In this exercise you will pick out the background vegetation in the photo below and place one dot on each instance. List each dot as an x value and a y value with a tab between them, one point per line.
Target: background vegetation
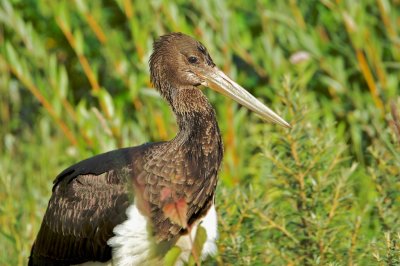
74	82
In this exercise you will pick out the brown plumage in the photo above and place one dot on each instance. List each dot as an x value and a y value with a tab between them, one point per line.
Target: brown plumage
165	180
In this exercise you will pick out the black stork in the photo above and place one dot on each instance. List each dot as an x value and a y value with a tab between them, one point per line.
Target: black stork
129	206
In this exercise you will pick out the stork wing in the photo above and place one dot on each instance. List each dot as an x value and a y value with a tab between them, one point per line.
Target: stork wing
89	199
172	174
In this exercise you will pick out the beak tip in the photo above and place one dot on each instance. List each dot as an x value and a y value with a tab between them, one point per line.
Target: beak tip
281	122
285	125
289	126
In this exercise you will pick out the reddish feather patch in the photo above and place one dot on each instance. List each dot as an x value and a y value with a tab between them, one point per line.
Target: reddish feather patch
176	212
165	194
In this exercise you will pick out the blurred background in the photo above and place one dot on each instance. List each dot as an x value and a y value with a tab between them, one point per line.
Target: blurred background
74	82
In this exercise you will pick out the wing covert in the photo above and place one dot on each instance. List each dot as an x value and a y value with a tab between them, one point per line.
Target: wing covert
89	199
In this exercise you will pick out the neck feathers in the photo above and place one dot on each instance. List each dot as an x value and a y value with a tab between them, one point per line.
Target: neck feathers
198	128
195	115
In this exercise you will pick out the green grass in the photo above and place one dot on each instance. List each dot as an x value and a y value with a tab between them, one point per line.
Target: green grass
74	82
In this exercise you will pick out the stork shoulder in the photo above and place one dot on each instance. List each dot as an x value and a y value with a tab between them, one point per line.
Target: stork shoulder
112	161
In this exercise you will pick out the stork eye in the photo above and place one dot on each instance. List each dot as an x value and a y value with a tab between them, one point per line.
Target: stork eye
193	59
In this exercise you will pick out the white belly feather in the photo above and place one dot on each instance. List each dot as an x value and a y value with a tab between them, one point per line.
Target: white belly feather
209	222
132	244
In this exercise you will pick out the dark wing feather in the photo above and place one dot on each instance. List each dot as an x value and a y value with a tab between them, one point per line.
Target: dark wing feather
99	164
89	199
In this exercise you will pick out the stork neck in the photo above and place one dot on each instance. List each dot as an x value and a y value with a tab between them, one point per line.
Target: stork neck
199	135
195	116
196	126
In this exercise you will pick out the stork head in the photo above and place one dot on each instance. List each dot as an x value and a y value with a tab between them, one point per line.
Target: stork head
180	62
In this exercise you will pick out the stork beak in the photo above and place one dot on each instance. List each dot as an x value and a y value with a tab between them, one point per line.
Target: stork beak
218	81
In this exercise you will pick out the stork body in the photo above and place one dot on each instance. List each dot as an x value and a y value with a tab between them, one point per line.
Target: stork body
130	206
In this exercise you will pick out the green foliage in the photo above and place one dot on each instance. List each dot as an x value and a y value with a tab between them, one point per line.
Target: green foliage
172	256
198	243
74	82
